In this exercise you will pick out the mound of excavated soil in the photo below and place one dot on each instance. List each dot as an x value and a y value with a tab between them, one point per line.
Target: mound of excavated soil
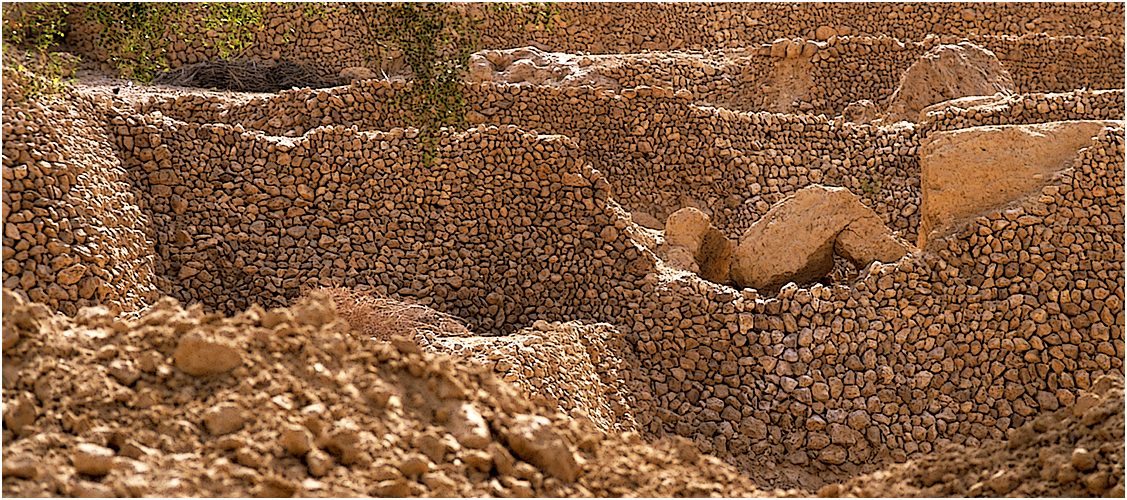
286	402
1076	451
947	72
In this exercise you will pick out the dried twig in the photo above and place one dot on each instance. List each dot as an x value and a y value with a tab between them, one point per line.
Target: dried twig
247	75
383	317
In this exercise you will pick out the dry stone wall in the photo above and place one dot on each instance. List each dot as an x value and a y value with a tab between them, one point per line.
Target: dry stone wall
525	217
647	140
504	226
1022	109
855	53
960	345
298	32
73	233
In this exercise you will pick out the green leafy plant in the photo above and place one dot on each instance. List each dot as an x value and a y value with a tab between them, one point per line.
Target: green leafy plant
543	15
870	186
30	32
137	35
238	22
436	42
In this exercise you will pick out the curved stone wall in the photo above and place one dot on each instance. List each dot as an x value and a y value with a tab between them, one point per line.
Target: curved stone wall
525	216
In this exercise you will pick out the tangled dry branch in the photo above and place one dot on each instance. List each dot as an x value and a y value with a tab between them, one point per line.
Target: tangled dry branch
382	317
247	75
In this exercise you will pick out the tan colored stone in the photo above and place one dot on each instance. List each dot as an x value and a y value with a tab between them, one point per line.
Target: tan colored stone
947	72
796	239
92	459
224	419
201	355
534	439
968	172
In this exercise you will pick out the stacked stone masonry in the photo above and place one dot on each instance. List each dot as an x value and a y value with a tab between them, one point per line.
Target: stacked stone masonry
525	216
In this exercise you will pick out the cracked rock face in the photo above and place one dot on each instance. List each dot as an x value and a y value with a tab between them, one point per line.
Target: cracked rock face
796	239
968	172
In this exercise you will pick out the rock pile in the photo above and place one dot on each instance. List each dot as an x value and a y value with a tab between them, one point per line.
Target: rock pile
1076	451
581	370
98	406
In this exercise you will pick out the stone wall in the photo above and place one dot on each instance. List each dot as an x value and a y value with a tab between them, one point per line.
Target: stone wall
858	55
1023	109
504	227
73	233
646	140
1008	319
525	217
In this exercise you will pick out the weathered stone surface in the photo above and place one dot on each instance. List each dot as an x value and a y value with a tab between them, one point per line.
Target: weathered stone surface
200	355
467	425
964	173
796	239
703	245
224	419
93	460
532	438
947	72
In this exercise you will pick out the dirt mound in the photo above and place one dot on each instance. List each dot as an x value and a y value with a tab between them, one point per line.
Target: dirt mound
1073	452
286	402
947	72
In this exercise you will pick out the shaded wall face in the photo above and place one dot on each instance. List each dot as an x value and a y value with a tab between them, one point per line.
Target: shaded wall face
504	227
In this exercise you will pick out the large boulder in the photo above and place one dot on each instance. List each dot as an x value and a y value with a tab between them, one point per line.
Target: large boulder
968	172
947	72
693	243
797	238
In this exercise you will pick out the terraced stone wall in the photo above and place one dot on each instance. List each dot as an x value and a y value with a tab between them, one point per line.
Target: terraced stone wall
862	49
659	164
1008	319
626	28
208	200
659	151
1024	109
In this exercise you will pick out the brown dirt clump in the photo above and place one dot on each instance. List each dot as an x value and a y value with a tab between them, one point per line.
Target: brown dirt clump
286	402
1076	451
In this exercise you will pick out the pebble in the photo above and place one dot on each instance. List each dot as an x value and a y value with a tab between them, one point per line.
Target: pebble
224	419
1083	460
199	355
93	460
